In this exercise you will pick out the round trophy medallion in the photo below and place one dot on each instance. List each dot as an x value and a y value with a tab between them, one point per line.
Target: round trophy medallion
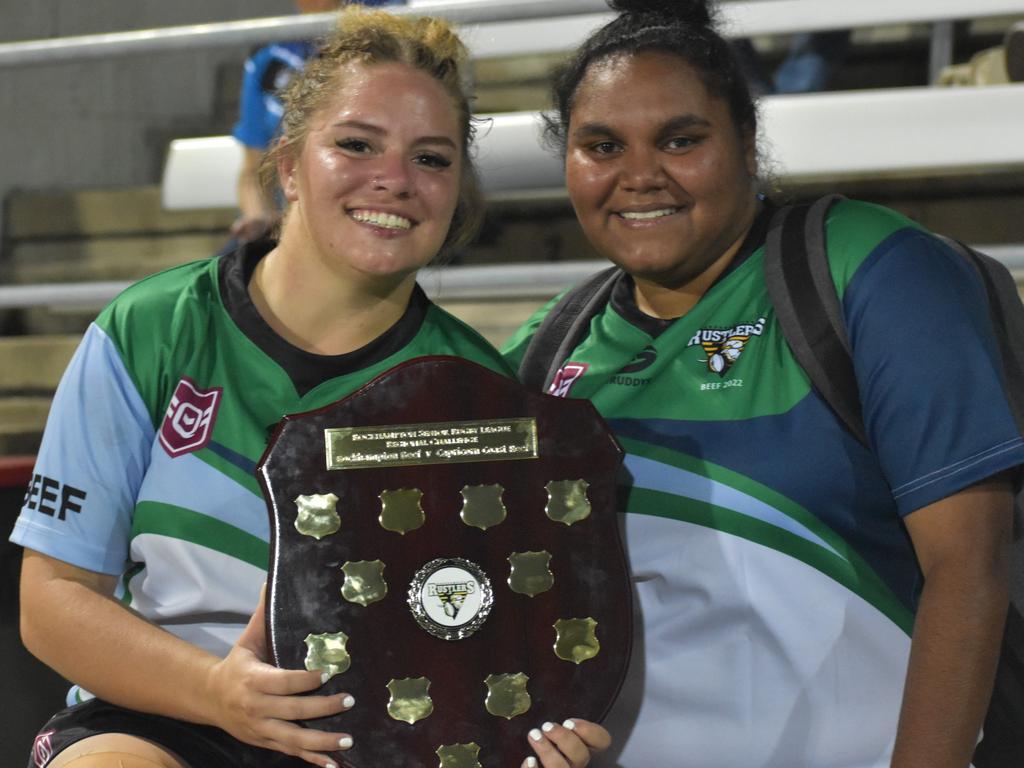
450	597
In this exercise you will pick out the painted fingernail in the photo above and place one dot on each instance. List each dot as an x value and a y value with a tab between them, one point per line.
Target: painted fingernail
330	765
536	735
547	727
345	742
569	725
348	701
531	762
324	677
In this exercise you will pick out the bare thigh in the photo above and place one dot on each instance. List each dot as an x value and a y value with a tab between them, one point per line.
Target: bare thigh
115	750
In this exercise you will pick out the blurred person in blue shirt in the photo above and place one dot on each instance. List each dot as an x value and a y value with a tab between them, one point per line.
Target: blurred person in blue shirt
267	72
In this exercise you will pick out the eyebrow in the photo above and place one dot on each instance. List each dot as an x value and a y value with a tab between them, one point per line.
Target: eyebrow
678	123
379	131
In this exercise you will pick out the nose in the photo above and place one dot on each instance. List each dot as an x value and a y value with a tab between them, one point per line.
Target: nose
393	173
641	170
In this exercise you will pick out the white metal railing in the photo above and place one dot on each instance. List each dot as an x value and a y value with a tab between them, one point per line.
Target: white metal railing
810	137
511	27
478	283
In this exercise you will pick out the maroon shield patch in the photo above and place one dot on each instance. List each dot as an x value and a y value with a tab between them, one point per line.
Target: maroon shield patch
188	423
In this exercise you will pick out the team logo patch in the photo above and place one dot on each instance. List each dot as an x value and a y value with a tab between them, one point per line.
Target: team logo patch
723	346
42	748
567	375
641	361
188	423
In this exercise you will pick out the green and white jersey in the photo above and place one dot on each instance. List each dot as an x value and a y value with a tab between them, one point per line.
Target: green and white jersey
775	581
146	469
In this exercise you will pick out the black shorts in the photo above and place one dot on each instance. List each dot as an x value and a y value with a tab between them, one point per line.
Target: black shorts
200	746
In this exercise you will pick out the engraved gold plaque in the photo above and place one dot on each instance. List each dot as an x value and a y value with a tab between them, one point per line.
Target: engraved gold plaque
318	516
507	695
482	506
409	700
567	501
445	442
576	639
530	573
364	582
459	756
327	652
400	510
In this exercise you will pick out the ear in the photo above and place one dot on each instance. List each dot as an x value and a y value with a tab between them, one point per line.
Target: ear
287	174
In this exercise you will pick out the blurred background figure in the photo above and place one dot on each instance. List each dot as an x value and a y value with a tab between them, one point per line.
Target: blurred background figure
812	59
991	66
267	72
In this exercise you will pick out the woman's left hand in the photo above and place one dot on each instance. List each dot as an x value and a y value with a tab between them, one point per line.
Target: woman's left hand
569	745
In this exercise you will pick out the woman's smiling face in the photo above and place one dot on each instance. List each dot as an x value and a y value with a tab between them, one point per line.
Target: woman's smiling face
662	181
375	183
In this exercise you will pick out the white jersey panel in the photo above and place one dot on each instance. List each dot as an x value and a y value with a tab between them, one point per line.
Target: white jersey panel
180	582
762	687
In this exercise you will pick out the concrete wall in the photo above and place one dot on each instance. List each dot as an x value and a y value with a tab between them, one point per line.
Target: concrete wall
106	123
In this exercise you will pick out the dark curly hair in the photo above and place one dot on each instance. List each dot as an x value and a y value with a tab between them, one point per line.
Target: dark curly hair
684	28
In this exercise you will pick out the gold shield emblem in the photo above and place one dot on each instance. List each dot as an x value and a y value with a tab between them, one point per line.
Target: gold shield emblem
567	501
317	515
459	756
507	695
482	506
410	700
401	511
530	573
576	639
364	582
327	652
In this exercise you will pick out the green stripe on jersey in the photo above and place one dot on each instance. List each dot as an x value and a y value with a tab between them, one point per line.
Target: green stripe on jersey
836	559
152	517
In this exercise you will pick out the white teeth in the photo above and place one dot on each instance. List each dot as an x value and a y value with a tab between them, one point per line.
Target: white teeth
641	215
385	220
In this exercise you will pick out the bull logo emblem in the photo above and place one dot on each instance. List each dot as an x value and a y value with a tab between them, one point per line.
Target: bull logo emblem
451	596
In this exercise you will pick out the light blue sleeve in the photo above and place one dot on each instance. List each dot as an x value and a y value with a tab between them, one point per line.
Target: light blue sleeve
94	454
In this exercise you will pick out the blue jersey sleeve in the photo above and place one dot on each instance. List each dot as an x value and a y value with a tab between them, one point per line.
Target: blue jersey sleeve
928	369
94	454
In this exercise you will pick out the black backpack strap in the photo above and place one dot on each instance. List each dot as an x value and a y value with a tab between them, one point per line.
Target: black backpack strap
563	328
804	297
1007	315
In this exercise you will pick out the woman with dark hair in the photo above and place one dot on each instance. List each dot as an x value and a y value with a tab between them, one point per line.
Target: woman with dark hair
802	599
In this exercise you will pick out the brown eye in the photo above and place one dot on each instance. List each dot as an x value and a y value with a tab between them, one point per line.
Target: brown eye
356	146
680	142
431	160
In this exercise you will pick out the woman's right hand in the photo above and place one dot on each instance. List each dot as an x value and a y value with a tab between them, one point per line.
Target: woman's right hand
258	703
569	745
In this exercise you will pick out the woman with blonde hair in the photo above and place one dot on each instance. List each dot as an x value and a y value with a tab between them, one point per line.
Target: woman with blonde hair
145	533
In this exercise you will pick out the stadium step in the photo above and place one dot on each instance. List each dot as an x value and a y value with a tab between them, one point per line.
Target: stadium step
94	235
30	368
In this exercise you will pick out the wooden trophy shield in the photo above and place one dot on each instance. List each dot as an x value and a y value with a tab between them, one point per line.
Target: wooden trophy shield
444	543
